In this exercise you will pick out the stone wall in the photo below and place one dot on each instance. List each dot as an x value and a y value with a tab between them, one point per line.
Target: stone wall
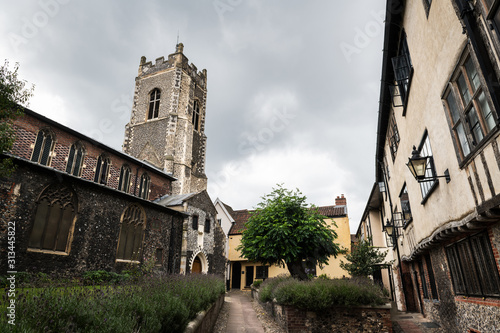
338	319
95	235
205	321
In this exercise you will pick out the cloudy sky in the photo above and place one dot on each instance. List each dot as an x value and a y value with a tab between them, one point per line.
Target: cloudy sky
293	86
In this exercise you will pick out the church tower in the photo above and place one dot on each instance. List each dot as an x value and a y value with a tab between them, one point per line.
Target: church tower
167	124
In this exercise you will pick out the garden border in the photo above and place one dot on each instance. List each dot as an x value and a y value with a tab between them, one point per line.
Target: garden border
205	320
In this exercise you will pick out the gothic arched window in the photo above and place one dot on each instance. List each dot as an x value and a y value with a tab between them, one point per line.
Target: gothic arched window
54	219
43	147
196	115
101	170
154	104
144	186
75	159
124	181
132	225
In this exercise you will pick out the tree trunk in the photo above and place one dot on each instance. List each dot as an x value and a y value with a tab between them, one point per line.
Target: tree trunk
297	270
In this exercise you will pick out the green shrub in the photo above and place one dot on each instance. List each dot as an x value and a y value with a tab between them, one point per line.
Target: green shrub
257	283
103	277
321	294
268	286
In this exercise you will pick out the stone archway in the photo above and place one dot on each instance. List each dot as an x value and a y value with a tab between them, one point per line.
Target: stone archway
199	263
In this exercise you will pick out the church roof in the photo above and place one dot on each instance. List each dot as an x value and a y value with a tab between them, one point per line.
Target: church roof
174	200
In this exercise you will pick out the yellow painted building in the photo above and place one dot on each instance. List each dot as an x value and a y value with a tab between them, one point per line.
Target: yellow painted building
244	272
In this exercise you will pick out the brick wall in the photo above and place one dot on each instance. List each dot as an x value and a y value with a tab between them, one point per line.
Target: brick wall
27	128
355	319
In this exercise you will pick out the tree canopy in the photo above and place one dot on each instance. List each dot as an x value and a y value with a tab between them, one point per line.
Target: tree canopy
13	94
283	230
364	259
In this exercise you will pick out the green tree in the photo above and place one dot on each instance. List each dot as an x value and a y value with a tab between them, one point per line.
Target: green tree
13	94
363	259
283	230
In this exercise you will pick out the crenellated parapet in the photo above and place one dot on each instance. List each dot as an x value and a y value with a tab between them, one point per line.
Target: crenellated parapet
178	60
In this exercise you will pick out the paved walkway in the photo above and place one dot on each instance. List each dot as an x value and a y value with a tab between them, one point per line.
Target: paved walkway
242	316
409	322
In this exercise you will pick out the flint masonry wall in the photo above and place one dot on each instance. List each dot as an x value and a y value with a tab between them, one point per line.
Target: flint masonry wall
213	242
170	141
97	226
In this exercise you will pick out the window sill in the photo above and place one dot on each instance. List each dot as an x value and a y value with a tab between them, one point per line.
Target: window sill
59	253
128	261
486	301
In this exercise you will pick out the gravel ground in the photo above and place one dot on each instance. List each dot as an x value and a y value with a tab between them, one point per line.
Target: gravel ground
266	320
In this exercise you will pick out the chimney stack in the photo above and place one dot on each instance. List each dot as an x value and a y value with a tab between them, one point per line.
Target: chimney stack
340	201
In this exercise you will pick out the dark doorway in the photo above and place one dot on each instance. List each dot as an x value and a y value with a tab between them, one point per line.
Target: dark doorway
236	275
249	278
411	305
417	285
377	277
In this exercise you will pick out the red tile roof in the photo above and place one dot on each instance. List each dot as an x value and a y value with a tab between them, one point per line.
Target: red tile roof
333	211
241	216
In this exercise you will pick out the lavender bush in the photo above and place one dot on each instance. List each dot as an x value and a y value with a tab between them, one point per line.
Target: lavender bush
159	304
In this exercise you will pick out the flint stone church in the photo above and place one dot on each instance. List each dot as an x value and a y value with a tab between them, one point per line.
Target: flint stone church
74	204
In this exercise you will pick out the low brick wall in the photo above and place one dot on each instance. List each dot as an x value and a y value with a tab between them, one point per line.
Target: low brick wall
205	321
338	319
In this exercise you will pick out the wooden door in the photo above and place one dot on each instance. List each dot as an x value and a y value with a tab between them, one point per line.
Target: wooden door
196	266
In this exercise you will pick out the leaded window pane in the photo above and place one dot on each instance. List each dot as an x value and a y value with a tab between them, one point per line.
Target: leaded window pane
69	165
463	139
452	104
98	169
64	228
41	214
486	111
468	269
464	90
154	104
456	271
47	145
78	162
131	231
38	147
473	75
53	221
195	222
475	127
